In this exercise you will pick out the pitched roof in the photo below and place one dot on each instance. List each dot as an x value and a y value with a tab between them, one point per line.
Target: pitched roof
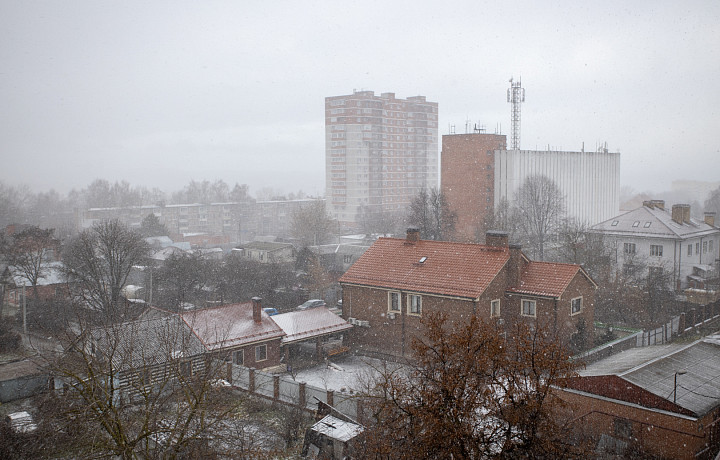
142	343
698	389
454	269
547	278
653	223
231	325
315	322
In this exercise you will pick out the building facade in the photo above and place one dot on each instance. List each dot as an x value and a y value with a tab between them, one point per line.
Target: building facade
668	240
467	169
590	181
397	282
380	151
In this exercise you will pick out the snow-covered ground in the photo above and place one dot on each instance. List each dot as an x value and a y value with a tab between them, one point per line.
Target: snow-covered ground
347	373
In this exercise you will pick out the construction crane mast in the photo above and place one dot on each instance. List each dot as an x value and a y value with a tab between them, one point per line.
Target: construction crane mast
515	96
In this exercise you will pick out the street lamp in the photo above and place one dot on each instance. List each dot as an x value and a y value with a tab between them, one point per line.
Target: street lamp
680	372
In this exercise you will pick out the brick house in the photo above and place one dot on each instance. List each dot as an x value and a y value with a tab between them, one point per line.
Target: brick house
663	401
398	281
241	332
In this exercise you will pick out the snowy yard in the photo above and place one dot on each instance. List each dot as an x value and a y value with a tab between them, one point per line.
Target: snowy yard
347	373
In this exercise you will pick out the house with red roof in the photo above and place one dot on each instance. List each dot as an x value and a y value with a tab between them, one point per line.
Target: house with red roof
242	332
397	282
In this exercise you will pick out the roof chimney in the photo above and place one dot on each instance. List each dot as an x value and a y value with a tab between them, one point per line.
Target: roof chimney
514	265
659	204
710	218
681	213
413	235
257	309
496	238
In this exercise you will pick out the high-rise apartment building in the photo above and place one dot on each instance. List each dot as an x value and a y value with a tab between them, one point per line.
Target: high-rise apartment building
380	151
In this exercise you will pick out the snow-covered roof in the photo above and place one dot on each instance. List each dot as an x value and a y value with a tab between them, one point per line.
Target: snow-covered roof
334	428
306	324
653	222
52	273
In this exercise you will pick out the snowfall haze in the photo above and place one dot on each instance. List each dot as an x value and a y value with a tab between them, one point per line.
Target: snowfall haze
162	93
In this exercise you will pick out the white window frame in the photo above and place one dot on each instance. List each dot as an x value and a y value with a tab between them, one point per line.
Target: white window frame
656	250
495	308
532	311
410	301
572	305
390	302
629	248
690	249
257	349
241	354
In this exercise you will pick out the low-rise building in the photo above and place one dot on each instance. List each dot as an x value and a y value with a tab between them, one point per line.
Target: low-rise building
397	282
668	240
663	401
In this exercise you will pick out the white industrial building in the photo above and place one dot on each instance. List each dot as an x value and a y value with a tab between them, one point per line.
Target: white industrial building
590	181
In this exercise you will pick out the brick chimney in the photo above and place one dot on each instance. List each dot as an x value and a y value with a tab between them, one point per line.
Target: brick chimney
514	265
413	235
681	213
257	309
659	204
496	238
710	218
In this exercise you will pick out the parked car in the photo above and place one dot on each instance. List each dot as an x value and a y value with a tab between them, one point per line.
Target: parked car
312	303
271	311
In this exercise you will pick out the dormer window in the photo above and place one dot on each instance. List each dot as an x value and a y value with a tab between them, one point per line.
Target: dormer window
636	223
647	224
615	222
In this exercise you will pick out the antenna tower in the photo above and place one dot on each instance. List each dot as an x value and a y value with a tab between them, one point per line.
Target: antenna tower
515	96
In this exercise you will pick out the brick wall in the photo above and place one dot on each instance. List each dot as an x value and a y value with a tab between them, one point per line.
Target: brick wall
467	178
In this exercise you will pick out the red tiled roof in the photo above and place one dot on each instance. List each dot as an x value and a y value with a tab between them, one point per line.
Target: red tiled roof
455	269
230	325
545	278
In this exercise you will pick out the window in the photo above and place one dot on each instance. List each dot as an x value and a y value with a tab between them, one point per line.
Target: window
347	258
656	250
240	357
689	249
393	301
185	368
414	304
622	428
647	224
636	223
629	248
704	247
576	305
260	353
710	245
528	308
495	308
615	222
697	248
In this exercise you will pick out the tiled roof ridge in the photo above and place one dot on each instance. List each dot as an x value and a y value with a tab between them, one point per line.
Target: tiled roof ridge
454	243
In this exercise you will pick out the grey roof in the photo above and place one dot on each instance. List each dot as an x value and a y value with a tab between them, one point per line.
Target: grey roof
266	246
654	368
311	323
661	225
144	343
335	428
52	274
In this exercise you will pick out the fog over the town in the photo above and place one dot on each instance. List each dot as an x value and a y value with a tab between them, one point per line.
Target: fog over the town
161	93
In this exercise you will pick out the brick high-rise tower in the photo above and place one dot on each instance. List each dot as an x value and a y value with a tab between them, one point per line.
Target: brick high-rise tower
380	151
468	175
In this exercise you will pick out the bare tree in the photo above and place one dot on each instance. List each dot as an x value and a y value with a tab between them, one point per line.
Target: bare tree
471	394
312	224
578	245
375	220
431	213
98	262
541	208
29	251
712	203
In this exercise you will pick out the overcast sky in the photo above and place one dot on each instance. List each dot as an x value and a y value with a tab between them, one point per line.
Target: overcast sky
159	93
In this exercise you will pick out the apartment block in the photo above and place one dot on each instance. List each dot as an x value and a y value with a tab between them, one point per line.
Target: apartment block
380	151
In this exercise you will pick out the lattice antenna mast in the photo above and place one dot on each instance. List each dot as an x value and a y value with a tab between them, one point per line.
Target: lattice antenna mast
515	96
